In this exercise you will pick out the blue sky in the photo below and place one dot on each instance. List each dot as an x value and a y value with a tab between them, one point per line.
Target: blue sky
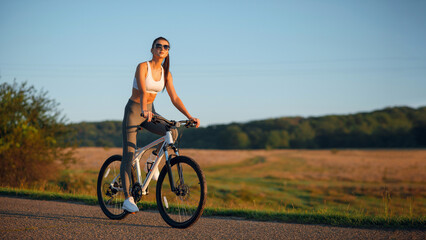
232	61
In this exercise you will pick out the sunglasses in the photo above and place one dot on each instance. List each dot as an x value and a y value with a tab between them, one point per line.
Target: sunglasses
159	46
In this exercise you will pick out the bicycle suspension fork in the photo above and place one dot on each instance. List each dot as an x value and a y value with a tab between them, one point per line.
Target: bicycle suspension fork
169	168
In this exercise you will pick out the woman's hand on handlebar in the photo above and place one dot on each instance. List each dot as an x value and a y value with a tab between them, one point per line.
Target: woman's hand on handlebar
148	115
196	121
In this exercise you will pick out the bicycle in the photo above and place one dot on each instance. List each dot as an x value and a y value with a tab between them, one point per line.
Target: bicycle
180	203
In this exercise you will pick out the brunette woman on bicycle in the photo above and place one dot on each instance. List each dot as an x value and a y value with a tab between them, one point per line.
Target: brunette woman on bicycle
151	77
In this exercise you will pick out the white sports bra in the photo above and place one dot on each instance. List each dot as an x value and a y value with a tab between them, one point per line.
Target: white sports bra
151	85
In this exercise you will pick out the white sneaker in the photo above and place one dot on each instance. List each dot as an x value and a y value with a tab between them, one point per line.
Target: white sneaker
130	206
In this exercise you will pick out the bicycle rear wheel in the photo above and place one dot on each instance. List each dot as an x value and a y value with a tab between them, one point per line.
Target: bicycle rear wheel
184	207
110	189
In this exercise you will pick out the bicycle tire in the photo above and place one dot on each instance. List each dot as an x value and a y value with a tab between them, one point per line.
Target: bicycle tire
112	210
178	210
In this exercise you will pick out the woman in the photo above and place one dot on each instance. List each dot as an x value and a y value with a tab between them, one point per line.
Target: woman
151	77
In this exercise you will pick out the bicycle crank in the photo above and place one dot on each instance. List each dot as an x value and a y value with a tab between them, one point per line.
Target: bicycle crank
137	192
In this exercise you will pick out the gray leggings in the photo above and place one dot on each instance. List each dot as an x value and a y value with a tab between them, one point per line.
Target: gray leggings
132	119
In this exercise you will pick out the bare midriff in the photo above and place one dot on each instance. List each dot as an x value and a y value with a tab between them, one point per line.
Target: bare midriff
136	96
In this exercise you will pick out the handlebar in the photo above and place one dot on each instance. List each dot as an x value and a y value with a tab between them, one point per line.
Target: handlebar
172	123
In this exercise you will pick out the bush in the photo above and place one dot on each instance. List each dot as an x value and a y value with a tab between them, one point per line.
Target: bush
32	134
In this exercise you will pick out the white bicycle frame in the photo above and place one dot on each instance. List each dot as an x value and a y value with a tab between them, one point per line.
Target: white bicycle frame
166	140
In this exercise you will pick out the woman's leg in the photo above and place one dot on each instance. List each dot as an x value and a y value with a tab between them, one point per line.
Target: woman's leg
159	128
131	121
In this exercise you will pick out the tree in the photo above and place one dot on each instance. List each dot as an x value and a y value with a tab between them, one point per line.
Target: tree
32	136
277	139
303	136
234	138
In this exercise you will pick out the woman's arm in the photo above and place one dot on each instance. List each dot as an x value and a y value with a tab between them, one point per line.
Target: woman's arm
140	75
176	100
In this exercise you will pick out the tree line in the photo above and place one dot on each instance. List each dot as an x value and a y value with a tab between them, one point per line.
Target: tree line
395	127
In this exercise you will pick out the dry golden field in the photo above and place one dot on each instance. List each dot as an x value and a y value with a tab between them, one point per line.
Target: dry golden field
389	182
351	165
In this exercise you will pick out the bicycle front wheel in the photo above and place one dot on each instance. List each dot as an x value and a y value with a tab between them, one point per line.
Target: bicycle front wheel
110	189
183	207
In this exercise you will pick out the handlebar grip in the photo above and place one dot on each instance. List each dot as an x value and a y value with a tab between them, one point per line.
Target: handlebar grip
190	123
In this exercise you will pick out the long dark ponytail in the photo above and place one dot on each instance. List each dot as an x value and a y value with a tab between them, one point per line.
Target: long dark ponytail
166	62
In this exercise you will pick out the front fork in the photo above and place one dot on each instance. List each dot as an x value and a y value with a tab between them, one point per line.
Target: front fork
169	169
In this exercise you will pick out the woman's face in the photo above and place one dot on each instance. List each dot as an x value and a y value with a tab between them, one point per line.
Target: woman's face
161	48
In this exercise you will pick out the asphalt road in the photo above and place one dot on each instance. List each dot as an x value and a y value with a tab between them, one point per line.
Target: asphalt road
34	219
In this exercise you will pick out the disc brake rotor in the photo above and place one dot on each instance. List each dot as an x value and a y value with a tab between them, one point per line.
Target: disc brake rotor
182	191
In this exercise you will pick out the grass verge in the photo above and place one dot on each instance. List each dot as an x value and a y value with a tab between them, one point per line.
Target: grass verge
334	219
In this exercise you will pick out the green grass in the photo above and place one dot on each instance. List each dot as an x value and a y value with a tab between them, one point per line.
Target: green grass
44	195
291	216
